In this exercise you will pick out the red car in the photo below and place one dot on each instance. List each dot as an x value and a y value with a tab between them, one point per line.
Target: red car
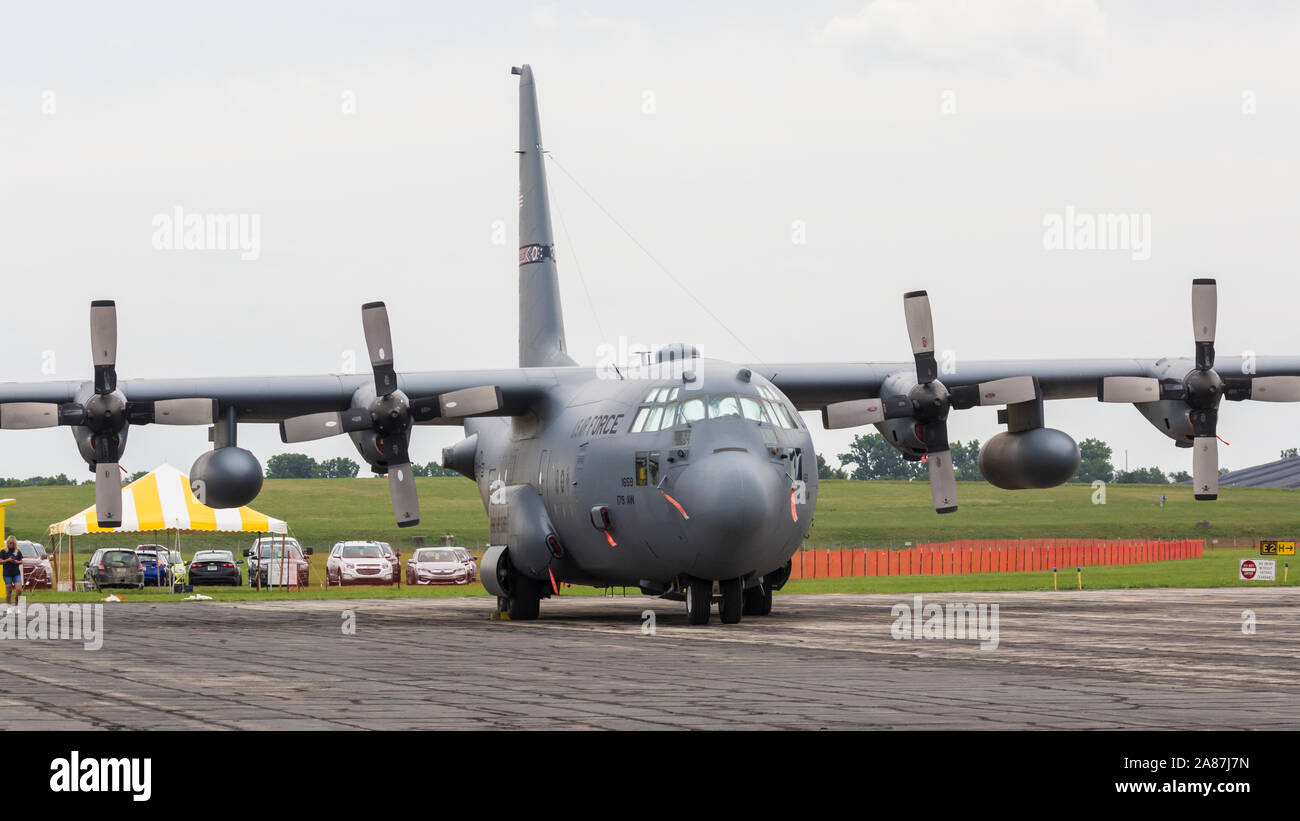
38	573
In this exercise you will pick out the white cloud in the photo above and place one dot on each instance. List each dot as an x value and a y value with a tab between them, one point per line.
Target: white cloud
988	34
546	16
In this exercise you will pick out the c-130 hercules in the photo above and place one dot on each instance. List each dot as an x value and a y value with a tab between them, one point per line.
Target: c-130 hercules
691	478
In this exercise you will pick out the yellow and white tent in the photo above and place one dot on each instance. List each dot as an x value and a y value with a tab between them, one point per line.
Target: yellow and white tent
161	500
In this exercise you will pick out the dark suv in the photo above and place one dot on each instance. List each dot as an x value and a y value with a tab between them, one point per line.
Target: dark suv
114	567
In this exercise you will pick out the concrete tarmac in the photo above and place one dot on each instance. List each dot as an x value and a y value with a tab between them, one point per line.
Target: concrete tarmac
1124	659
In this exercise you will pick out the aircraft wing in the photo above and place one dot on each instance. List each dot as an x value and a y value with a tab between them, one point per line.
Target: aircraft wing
910	401
276	398
814	386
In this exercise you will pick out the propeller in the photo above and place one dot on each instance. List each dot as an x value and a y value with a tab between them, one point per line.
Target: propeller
106	413
929	402
391	414
1201	390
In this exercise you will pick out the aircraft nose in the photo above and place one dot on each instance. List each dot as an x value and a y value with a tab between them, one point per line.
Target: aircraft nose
731	497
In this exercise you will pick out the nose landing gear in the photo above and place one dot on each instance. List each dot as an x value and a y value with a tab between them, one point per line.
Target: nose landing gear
731	598
758	600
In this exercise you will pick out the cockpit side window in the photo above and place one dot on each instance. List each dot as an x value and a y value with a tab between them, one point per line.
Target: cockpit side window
657	410
670	416
639	422
752	409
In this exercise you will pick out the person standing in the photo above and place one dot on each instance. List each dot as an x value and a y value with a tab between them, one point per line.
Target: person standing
12	560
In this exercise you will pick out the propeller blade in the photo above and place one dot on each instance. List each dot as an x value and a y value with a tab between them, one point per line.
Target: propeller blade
1133	389
103	344
406	502
1205	467
379	342
108	494
853	413
1205	310
320	425
28	415
184	412
401	481
920	330
1008	391
943	481
1266	389
470	401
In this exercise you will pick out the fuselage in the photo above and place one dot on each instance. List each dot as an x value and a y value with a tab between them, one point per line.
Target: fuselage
705	468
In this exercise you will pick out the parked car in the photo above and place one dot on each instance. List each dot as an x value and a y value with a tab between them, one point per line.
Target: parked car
278	550
157	564
114	567
180	570
440	565
394	558
215	567
359	563
470	564
37	570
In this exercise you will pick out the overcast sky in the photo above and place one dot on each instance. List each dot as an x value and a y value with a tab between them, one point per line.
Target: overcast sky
908	144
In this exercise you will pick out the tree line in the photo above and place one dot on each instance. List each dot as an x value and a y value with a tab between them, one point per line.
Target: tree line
870	456
302	466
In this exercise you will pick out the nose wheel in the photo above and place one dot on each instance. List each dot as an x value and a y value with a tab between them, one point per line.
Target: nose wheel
731	600
732	603
758	600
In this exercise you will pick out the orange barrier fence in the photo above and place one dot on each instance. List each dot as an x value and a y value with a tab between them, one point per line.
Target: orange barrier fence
987	556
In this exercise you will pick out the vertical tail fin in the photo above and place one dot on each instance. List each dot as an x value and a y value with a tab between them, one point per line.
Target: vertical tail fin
541	320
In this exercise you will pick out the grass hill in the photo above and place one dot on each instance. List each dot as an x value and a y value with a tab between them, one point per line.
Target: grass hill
849	514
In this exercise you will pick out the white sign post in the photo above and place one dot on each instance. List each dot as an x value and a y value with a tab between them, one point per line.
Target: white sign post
1257	570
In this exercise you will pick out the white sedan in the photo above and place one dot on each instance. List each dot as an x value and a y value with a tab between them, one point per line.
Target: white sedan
359	563
439	565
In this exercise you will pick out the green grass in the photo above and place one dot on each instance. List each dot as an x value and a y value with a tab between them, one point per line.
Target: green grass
849	514
865	514
319	512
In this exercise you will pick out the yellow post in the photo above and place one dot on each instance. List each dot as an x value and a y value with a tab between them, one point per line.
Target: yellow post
1053	578
4	503
1079	572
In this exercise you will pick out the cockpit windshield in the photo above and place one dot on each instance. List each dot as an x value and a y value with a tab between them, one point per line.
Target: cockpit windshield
665	410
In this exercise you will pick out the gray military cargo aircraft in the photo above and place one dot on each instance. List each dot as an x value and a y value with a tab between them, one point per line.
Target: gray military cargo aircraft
691	478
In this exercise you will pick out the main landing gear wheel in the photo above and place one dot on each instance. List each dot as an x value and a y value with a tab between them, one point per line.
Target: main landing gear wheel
699	597
758	601
733	600
525	600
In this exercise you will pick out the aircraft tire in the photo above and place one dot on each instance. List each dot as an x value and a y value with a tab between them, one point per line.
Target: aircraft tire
732	605
525	599
758	601
699	598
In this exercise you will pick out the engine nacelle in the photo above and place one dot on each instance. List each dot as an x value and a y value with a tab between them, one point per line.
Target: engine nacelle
461	456
1036	458
226	477
86	447
1170	418
367	443
901	433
